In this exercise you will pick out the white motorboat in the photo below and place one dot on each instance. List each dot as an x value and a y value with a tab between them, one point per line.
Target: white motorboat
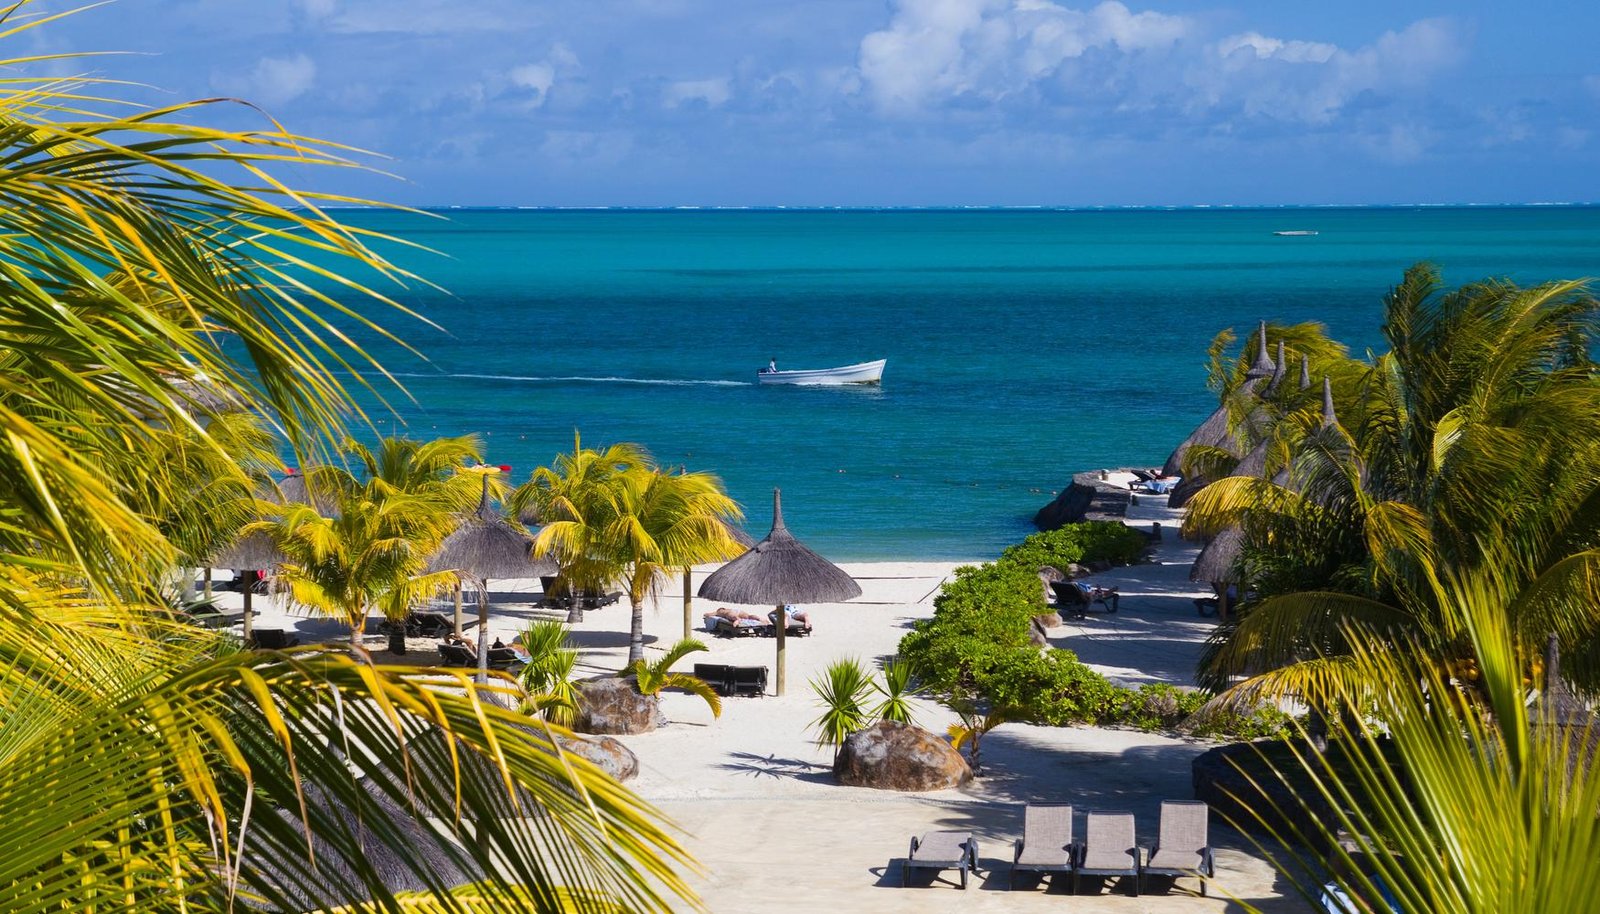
1295	233
863	373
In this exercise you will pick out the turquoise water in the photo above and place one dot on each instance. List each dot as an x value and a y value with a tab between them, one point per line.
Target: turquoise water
1022	345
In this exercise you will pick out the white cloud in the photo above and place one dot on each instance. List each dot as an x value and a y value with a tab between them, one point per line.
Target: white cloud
537	78
274	82
710	92
940	50
317	9
1314	82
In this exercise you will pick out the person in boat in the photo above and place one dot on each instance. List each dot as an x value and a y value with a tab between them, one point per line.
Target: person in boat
772	366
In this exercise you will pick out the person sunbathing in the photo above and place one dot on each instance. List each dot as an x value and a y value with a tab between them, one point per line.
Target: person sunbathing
795	615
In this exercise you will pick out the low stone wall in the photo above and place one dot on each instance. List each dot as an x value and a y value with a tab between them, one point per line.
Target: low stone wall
1088	498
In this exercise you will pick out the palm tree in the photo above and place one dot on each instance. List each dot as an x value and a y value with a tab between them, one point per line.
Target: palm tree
1480	427
1485	800
842	691
156	276
575	501
652	678
372	556
666	521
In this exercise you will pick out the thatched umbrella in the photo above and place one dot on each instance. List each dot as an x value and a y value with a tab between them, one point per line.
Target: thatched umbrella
778	571
1305	371
1217	565
737	534
252	552
485	546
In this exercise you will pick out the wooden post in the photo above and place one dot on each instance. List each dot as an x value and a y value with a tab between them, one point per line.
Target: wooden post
483	631
783	627
208	582
688	600
458	609
249	579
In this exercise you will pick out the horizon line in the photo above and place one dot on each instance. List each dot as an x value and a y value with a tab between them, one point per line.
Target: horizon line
1134	207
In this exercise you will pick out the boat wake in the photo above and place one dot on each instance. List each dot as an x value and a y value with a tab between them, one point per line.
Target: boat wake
581	379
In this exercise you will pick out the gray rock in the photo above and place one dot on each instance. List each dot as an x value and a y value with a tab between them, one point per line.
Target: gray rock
895	756
611	704
1037	633
1048	573
607	753
1048	620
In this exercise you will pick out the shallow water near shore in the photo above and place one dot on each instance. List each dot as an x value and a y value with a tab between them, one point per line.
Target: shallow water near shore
1021	345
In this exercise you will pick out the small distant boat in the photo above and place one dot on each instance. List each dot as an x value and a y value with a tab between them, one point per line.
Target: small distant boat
863	373
1296	233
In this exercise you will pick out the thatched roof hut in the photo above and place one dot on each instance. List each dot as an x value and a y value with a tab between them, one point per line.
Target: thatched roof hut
485	546
1329	419
1305	371
1263	366
776	571
1216	563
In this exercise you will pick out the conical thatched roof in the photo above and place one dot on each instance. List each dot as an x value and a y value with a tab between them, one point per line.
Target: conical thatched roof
295	491
1263	366
250	553
1211	433
1329	419
1215	563
778	570
1254	464
487	545
1280	370
1305	371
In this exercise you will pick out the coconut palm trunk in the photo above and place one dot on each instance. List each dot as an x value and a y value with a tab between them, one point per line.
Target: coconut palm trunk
636	629
483	630
688	600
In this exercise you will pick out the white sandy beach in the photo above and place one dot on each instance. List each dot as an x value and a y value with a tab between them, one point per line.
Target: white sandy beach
758	804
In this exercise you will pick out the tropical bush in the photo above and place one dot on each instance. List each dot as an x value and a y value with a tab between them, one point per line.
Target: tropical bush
1090	541
547	676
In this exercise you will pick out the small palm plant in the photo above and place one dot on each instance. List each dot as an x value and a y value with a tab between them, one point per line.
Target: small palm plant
974	720
652	678
897	688
547	677
842	692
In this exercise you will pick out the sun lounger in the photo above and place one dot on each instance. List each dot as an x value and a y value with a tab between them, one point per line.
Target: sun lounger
724	627
1182	848
1046	842
1108	849
428	625
458	654
718	675
274	639
750	680
942	850
502	658
1072	600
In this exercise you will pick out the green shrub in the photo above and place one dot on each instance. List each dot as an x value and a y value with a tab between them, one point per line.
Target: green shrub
1090	541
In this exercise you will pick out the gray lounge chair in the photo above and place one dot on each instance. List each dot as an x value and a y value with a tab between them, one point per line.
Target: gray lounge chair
1046	842
1108	849
942	850
1182	848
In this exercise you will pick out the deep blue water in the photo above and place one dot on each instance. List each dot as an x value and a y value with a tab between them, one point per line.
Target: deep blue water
1022	345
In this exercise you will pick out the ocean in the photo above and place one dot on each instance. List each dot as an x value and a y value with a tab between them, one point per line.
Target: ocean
1022	345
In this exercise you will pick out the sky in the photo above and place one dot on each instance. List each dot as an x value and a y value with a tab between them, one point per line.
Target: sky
896	103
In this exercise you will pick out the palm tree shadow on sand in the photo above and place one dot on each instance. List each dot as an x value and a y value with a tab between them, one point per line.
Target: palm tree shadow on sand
760	766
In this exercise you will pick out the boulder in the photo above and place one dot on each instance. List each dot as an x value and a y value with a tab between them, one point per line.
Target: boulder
606	752
1185	490
1049	620
611	704
1037	633
896	756
1047	574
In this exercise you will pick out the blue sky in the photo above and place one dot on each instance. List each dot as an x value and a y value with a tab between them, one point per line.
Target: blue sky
904	102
